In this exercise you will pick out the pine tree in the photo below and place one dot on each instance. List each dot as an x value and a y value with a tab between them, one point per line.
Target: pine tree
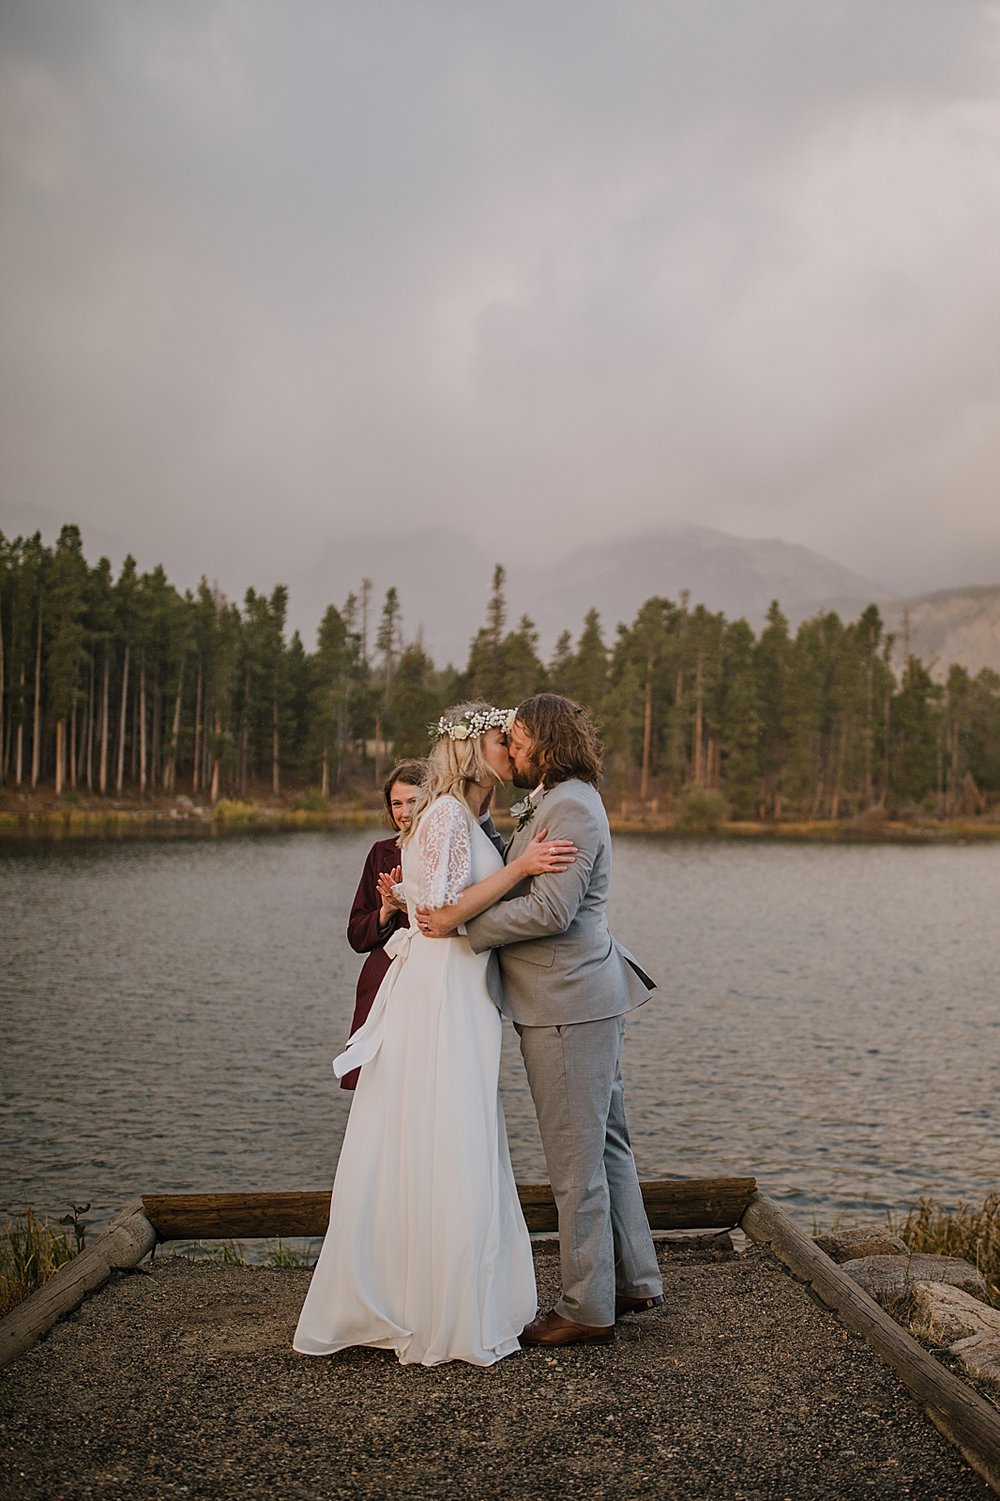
586	680
771	658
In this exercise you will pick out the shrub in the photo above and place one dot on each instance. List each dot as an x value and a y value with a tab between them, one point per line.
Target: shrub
870	823
311	801
231	810
699	811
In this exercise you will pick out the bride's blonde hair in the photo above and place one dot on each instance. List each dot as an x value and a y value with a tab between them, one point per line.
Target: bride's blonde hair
453	766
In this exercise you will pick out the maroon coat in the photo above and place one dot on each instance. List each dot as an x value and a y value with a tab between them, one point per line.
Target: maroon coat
364	937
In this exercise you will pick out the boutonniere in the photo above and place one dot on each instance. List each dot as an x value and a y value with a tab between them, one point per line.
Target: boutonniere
524	812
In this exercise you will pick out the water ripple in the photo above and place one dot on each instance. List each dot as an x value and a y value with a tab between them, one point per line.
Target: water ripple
826	1019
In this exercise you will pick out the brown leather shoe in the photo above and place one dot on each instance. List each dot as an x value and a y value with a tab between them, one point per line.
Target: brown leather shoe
550	1329
635	1305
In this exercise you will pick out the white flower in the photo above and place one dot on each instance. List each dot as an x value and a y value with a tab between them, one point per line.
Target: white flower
473	724
524	812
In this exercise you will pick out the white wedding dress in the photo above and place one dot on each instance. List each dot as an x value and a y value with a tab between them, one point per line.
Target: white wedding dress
427	1252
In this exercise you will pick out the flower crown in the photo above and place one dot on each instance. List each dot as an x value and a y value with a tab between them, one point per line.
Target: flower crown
471	726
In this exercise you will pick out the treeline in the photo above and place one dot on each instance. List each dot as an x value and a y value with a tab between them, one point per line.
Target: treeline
124	685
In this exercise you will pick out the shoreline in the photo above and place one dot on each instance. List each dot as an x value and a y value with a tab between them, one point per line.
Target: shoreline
22	816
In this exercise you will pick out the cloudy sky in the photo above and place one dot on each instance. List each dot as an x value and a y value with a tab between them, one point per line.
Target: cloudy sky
276	272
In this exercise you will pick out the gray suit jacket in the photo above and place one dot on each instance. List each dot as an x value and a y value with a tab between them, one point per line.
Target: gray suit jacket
556	960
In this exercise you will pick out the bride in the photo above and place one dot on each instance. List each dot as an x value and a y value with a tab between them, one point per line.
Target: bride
427	1252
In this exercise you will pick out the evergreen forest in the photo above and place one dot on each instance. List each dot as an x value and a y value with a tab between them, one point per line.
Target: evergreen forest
125	687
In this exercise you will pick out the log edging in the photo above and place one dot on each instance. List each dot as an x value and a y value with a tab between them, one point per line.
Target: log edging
956	1409
122	1245
671	1204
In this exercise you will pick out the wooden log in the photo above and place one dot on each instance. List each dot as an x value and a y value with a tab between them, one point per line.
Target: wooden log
126	1241
955	1408
682	1204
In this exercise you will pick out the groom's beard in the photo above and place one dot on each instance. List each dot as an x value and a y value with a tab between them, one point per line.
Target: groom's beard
529	778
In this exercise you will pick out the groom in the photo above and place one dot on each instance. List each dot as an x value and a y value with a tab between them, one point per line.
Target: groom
567	986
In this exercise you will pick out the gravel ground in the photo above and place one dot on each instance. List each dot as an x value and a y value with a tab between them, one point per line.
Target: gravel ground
181	1381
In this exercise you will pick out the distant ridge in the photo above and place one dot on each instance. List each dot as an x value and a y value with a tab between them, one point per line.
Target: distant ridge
737	575
950	625
444	580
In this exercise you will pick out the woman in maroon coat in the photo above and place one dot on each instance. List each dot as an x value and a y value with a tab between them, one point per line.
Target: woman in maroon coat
371	922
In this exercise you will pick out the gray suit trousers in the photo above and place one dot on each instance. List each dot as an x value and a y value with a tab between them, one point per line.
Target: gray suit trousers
605	1247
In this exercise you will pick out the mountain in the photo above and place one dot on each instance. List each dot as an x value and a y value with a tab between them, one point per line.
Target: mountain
950	625
444	581
737	575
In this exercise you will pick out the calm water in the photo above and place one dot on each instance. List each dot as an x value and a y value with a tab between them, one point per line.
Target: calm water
827	1018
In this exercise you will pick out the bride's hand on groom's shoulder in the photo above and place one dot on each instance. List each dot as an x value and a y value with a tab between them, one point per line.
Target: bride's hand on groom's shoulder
542	856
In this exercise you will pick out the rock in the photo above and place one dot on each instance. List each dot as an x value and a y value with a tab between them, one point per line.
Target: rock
944	1314
980	1355
889	1279
862	1240
949	1317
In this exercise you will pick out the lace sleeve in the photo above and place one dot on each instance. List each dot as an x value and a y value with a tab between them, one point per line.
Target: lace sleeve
446	848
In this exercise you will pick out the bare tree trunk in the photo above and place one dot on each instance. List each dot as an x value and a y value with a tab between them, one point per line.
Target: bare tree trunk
60	755
134	743
72	745
214	795
325	773
275	761
196	755
122	725
19	736
88	739
36	730
378	750
713	763
838	775
869	773
697	766
102	760
886	726
647	733
957	798
154	775
142	724
244	735
3	744
338	770
170	770
156	738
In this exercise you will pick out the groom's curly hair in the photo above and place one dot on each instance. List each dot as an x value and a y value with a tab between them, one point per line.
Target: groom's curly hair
566	739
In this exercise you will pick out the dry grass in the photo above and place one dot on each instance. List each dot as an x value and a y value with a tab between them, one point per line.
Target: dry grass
30	1251
970	1232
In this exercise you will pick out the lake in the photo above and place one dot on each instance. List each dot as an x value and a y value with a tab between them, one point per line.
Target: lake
827	1018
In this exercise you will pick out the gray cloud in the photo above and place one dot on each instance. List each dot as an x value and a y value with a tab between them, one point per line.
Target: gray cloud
276	271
